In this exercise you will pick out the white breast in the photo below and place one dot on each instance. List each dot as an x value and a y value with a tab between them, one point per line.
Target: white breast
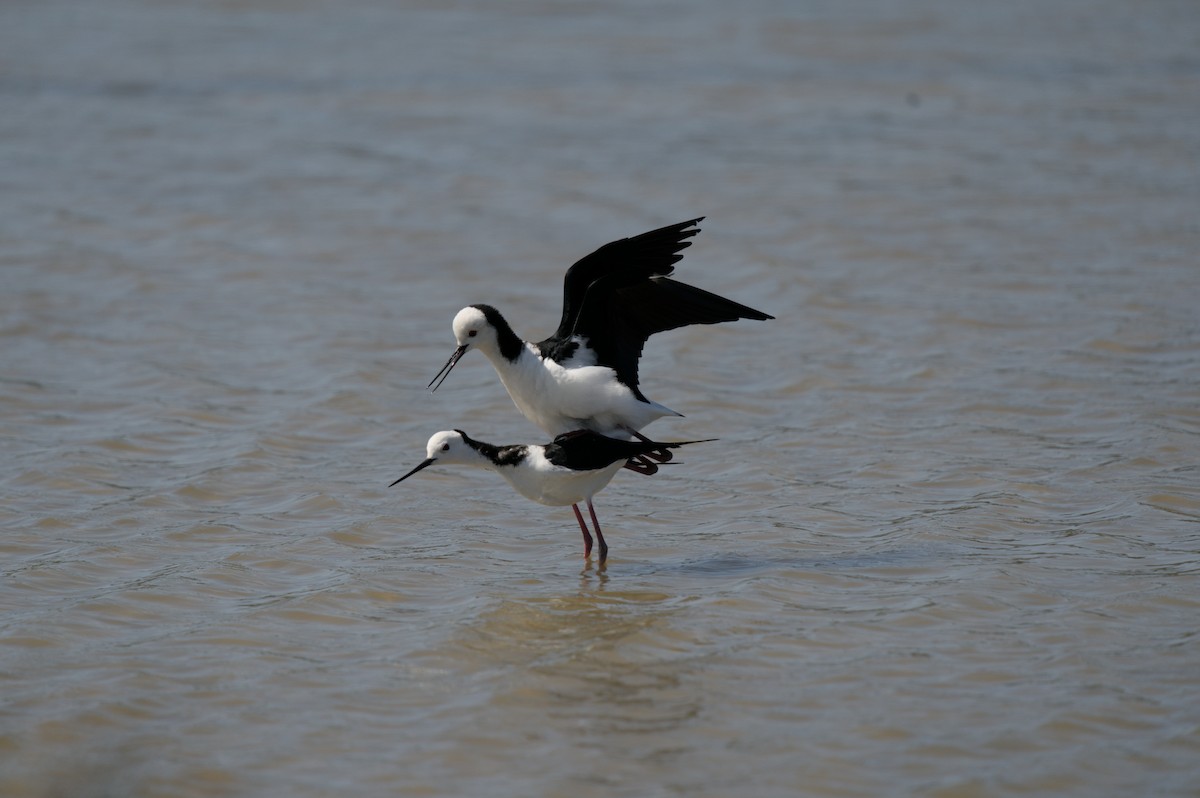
560	399
538	479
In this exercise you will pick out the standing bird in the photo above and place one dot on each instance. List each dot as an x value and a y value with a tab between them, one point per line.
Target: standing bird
585	376
571	469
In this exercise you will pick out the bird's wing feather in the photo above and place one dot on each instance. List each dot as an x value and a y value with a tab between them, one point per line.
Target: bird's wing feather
626	260
618	320
584	450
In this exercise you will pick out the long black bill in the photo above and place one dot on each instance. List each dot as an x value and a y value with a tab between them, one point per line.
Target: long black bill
425	464
445	372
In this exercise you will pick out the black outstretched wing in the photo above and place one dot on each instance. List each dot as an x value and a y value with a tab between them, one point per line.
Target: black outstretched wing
617	321
626	261
620	295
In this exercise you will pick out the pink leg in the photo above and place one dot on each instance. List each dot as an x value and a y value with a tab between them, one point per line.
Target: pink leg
641	465
661	455
587	536
599	534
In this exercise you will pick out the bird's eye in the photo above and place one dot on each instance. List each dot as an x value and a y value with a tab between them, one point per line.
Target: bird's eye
445	447
472	333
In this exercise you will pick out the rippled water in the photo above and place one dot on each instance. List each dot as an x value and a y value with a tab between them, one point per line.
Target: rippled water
947	543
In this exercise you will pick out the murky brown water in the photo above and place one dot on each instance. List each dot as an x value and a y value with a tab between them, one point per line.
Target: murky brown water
947	543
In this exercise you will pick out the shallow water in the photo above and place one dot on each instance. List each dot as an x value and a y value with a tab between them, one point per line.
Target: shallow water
945	544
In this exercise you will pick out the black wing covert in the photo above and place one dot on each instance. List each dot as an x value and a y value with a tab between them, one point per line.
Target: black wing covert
626	261
629	315
620	295
585	450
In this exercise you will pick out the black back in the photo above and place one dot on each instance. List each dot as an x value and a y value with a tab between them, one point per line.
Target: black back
585	450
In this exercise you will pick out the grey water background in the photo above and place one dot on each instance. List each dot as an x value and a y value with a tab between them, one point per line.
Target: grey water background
947	543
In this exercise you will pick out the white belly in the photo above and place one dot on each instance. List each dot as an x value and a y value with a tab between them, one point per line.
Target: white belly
538	480
559	399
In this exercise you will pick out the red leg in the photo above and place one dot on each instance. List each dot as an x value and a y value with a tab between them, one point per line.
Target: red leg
661	455
587	536
599	534
641	465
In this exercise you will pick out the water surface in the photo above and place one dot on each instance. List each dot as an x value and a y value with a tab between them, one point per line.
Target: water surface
946	543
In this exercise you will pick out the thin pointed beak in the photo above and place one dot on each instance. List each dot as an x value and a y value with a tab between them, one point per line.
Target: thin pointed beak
445	372
425	464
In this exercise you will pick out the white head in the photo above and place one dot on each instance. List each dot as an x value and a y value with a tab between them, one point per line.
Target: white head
448	447
474	328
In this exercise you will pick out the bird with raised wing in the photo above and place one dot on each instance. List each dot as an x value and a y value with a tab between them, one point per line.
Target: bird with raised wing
585	375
